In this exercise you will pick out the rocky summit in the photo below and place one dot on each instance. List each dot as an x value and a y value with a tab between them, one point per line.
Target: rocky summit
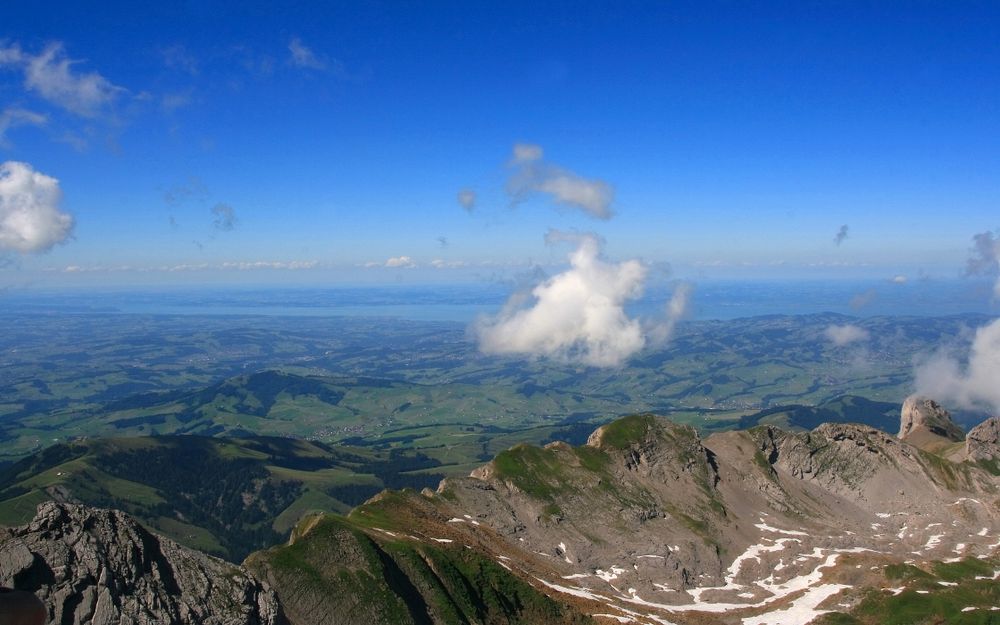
101	567
925	424
982	444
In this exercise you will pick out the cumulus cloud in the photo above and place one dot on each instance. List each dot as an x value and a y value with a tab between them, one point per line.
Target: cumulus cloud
841	235
12	117
303	56
531	175
51	75
678	308
900	279
30	219
467	199
985	257
577	315
845	334
224	217
971	385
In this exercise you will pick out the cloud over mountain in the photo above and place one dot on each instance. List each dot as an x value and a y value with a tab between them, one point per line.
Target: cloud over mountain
531	175
971	384
845	334
576	315
677	309
971	381
30	219
985	258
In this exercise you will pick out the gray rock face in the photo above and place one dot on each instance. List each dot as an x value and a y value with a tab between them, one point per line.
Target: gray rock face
983	441
923	420
100	566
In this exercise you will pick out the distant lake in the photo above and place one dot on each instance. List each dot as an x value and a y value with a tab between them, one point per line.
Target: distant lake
463	303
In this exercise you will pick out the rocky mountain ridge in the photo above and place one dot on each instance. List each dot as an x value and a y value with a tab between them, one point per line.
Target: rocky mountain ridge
645	523
100	566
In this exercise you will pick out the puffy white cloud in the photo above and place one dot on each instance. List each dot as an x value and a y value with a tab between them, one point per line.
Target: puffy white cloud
577	315
845	334
467	199
12	117
532	175
302	56
841	235
50	74
224	217
971	385
30	219
900	279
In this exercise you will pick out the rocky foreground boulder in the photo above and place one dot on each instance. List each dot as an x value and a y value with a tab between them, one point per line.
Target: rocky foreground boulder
100	566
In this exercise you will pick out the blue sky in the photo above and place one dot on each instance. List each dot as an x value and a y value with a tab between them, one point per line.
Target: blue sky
332	142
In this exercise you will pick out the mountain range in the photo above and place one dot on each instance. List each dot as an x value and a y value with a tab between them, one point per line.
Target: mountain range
647	522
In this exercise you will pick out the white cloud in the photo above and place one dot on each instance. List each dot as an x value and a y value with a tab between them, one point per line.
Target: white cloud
50	74
845	334
467	199
224	217
30	219
678	308
533	175
303	56
438	263
401	262
972	386
900	279
577	315
12	117
985	259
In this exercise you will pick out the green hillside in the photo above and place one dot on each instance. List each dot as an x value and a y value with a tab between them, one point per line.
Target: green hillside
224	496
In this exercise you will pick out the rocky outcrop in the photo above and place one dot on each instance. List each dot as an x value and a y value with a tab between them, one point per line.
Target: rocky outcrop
925	424
100	566
983	441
